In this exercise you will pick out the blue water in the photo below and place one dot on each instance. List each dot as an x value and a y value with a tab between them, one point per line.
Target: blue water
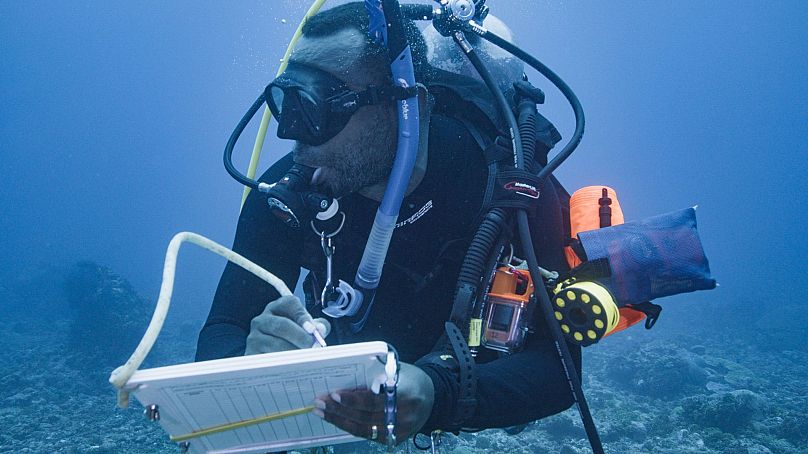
113	116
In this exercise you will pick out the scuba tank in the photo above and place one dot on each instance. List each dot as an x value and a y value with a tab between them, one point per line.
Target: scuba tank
443	54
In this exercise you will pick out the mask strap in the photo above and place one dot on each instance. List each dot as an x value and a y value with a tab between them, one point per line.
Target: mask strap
350	101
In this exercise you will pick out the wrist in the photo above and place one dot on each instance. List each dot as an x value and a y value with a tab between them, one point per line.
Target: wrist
451	368
444	388
421	381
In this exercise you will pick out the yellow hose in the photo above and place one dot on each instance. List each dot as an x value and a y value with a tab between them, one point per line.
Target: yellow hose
241	424
262	130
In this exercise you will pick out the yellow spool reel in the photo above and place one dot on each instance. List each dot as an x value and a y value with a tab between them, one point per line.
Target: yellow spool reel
585	310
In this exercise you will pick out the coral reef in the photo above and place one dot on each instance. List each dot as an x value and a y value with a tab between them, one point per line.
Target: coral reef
684	387
730	411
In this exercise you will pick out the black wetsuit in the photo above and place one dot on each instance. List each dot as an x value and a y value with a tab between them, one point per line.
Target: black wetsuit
414	298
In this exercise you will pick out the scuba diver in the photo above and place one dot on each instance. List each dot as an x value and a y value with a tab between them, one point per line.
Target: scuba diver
337	101
495	276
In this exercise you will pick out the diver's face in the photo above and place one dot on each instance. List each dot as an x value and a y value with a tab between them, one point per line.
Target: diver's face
362	153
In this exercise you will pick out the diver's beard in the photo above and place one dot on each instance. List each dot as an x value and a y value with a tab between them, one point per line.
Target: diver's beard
346	168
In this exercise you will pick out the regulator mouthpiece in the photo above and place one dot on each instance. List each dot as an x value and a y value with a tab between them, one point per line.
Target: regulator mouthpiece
294	201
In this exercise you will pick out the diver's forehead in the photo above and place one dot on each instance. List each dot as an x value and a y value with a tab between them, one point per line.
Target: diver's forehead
335	53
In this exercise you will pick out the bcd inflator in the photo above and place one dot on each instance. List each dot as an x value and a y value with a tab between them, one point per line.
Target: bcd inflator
620	267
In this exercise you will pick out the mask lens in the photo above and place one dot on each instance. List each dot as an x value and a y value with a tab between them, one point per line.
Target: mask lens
275	101
311	111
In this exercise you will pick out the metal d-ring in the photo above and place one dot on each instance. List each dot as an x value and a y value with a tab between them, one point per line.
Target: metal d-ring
332	234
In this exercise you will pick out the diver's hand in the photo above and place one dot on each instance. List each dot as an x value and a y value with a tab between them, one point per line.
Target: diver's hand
357	412
280	327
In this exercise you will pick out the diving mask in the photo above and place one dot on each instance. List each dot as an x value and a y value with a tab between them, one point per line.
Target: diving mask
312	106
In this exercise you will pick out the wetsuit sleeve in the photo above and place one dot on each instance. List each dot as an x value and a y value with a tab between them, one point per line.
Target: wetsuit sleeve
513	390
240	295
523	387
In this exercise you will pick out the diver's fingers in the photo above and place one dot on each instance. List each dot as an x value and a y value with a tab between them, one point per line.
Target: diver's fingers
352	420
289	306
360	399
282	328
348	412
362	424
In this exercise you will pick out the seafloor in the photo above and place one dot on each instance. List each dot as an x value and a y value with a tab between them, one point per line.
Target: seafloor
724	377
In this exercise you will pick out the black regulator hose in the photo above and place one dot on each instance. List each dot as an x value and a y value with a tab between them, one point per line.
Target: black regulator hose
552	77
528	117
472	270
490	267
499	97
485	238
558	338
231	143
474	267
527	244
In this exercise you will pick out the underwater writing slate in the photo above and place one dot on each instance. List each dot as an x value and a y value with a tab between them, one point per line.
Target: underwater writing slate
190	398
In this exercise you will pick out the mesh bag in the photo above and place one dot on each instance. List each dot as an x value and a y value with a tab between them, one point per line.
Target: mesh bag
652	258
